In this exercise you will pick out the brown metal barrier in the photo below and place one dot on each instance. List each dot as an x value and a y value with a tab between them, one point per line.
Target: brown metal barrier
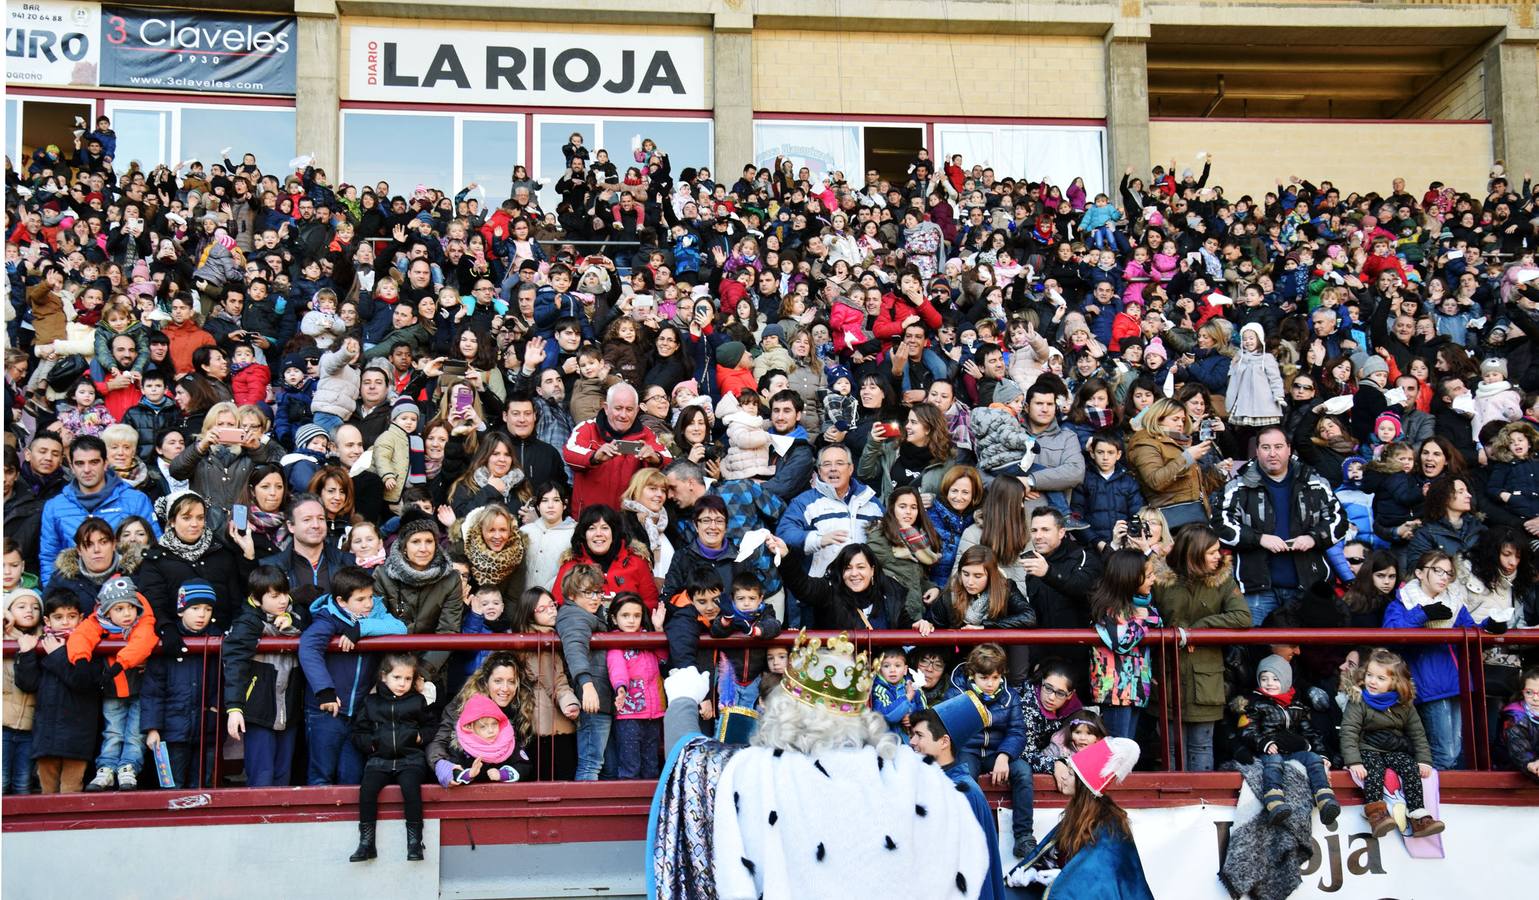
1467	644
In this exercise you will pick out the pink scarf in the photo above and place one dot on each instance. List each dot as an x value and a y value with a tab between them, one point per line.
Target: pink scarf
495	751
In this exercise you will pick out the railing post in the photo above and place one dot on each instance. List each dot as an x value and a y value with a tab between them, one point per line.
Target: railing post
1481	759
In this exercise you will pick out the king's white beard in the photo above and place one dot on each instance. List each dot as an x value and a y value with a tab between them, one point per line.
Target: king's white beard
790	724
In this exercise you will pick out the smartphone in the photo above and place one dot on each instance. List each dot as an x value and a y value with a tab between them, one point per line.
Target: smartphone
891	430
1205	430
463	400
229	435
240	515
455	367
630	448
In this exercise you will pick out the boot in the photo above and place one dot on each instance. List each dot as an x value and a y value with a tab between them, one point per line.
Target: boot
1379	819
105	778
365	843
1276	809
1326	805
413	841
1423	825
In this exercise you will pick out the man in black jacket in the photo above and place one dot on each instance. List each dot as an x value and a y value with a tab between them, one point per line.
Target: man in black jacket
539	461
310	559
1280	517
1060	575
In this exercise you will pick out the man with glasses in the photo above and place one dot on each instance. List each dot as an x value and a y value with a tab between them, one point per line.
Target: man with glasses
1280	517
835	511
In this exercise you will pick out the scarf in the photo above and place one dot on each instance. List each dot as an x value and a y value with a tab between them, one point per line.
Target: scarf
116	631
189	553
494	751
1381	702
274	525
1344	443
710	554
431	467
98	577
398	569
134	475
482	476
417	472
487	566
1179	436
1098	417
655	523
1283	698
919	545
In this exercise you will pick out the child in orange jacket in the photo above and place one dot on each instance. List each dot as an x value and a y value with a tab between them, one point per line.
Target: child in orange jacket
121	614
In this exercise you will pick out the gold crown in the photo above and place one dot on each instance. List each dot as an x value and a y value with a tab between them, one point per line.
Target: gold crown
832	675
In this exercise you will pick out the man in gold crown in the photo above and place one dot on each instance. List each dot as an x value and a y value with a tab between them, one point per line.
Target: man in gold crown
823	803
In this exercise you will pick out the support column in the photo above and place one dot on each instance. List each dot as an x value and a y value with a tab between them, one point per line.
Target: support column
1127	100
732	92
1512	103
317	101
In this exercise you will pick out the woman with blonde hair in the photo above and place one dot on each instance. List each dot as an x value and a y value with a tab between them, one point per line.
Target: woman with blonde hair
644	511
1167	464
495	546
218	463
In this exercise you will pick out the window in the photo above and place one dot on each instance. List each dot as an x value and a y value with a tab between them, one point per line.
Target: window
403	149
488	151
552	137
1061	153
13	130
688	142
264	131
823	147
161	134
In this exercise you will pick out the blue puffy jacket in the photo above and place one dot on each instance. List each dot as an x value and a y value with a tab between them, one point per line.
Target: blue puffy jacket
345	677
1006	731
63	514
1434	669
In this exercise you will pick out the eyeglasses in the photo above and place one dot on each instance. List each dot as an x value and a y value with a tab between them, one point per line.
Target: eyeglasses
710	520
1055	692
1354	560
1446	573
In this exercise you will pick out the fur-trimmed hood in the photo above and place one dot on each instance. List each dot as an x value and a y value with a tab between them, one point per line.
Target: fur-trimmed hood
67	564
1501	450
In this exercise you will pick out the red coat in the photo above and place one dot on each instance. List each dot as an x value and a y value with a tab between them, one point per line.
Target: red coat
629	572
896	308
603	483
730	381
1125	328
249	385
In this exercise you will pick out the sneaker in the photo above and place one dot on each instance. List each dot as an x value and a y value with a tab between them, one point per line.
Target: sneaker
103	780
1075	523
127	780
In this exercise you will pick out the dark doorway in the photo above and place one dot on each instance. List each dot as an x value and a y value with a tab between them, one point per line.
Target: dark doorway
890	150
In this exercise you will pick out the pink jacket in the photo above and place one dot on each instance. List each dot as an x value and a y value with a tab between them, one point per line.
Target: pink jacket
1165	266
847	321
639	672
1133	291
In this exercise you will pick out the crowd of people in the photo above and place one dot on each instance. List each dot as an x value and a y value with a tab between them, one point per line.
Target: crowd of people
247	402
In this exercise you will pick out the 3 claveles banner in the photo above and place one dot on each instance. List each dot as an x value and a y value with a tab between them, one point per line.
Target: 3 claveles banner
52	43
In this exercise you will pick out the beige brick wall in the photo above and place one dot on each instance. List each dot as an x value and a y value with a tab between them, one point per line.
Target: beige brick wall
1249	157
511	27
928	74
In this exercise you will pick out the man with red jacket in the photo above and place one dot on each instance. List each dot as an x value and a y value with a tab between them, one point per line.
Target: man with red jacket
605	451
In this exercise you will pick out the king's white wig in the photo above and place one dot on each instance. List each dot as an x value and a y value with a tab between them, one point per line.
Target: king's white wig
790	724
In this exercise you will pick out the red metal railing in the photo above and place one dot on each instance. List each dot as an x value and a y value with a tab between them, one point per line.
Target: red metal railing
1467	644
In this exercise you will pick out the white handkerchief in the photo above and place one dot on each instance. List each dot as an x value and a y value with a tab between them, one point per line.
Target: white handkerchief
752	541
1464	403
781	442
1338	405
1395	397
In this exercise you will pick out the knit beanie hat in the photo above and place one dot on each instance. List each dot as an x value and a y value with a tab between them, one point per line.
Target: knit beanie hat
1494	364
1279	667
401	407
1389	417
1007	391
194	592
1156	346
835	372
1255	328
119	589
730	354
412	522
307	433
773	331
1371	366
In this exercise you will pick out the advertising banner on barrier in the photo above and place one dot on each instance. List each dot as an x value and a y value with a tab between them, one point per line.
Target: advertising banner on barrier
162	49
1181	851
421	65
52	44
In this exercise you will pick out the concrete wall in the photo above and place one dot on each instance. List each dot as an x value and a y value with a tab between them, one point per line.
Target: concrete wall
1249	156
921	75
1460	96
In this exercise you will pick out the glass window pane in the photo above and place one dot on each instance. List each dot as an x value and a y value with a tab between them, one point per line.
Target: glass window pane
265	132
405	150
822	148
686	143
552	137
13	133
142	136
488	153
